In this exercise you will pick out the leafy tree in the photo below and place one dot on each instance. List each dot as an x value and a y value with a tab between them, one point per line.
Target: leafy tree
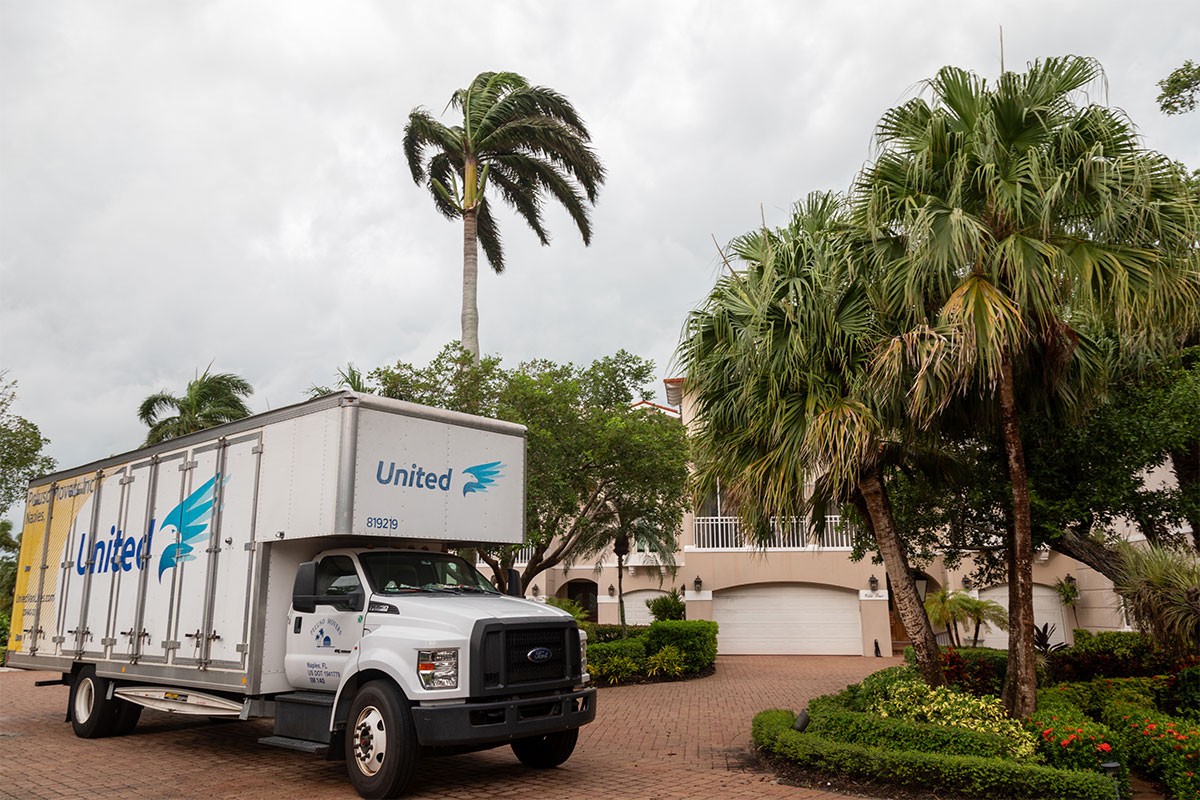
777	361
599	473
210	399
21	446
1179	89
521	143
1024	217
10	549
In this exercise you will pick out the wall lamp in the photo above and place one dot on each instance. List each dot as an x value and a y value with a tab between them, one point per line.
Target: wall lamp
535	590
699	584
873	582
612	590
1070	579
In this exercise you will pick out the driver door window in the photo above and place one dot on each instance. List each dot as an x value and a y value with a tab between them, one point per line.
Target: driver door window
336	575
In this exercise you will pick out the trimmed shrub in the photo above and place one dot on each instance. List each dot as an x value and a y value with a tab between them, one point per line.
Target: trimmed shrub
876	686
1158	744
975	670
667	606
695	639
1178	694
839	724
1107	654
612	633
1069	739
918	702
970	775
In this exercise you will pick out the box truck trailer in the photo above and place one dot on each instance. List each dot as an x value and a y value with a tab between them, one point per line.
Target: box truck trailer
296	565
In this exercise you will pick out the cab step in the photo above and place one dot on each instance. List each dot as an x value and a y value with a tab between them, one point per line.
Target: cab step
303	745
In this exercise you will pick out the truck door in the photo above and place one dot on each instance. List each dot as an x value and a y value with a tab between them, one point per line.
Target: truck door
321	644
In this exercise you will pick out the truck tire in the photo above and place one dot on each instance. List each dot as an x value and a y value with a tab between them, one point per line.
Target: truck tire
93	714
381	743
127	717
546	752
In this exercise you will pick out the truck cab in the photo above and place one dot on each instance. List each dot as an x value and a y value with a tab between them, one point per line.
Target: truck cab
406	651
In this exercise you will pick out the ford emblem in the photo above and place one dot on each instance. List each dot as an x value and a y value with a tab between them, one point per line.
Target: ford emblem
540	655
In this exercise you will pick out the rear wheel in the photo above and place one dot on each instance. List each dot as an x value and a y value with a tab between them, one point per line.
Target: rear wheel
546	752
93	713
381	743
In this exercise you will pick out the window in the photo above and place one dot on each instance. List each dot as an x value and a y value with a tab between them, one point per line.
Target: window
336	575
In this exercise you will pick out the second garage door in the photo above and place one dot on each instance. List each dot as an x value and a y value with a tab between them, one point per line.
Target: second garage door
787	619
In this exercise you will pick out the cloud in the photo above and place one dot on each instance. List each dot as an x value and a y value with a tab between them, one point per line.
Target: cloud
222	182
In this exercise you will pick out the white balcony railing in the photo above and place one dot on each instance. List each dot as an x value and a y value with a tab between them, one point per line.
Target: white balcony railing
724	533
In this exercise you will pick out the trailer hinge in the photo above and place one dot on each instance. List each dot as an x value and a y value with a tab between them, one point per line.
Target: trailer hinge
107	641
170	645
257	449
185	466
66	565
58	639
241	648
249	546
128	479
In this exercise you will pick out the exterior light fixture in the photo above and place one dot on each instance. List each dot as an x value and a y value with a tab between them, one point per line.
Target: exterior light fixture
535	590
967	582
612	590
873	582
699	584
1070	579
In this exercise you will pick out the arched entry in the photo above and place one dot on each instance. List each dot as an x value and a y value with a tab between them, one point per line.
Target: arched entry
583	592
925	585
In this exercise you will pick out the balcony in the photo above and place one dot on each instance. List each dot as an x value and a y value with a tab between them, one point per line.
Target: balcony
724	533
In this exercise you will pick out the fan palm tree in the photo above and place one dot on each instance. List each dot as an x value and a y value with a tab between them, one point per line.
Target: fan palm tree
1022	213
518	142
210	399
777	362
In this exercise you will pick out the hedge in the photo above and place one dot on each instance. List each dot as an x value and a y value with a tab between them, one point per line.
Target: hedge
695	639
830	720
970	775
1158	744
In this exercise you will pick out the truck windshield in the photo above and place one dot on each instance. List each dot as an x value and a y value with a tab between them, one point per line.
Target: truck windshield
400	573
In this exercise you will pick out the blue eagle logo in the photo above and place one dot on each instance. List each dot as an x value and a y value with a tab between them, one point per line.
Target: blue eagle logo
190	520
484	474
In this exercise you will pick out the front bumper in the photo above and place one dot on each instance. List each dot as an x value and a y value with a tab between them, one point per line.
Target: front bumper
483	724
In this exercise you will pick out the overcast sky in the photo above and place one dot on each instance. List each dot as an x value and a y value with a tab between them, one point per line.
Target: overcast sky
192	182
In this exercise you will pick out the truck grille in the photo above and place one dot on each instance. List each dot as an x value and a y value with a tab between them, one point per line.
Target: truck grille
525	657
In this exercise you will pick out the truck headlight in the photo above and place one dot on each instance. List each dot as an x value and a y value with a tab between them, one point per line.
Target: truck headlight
583	653
438	669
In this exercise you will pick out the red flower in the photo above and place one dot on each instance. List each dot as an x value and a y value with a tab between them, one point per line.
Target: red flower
1104	747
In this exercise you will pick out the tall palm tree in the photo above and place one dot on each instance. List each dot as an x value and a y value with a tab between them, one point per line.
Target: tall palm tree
1022	212
777	362
519	142
210	399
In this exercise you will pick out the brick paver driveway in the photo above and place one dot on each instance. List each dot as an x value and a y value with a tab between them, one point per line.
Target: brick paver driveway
654	742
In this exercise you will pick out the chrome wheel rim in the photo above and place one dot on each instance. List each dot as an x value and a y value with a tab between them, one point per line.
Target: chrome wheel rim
370	741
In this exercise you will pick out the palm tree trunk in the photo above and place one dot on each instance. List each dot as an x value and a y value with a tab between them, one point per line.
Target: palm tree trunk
908	601
1020	683
621	593
470	308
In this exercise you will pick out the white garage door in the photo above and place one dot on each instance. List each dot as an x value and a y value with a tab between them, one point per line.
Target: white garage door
786	619
1047	607
636	612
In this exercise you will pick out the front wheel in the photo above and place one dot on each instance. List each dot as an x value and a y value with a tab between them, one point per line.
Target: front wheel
546	752
93	713
381	743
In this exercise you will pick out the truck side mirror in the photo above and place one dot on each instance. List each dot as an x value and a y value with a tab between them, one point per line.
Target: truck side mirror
514	584
304	588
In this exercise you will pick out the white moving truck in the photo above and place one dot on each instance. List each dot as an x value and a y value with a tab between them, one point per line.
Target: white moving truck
293	565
